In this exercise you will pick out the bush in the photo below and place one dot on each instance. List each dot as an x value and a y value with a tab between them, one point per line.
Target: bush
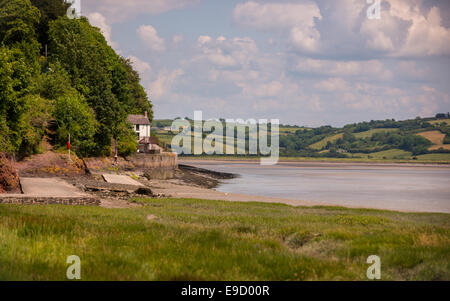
75	117
126	141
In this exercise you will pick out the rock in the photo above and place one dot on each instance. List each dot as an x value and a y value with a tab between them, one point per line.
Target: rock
144	191
151	217
9	178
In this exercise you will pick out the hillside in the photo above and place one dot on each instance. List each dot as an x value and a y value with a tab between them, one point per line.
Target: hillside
420	138
58	76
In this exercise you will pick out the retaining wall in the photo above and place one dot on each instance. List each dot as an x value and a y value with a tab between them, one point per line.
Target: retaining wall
28	200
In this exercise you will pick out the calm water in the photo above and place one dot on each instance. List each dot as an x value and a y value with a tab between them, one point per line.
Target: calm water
384	187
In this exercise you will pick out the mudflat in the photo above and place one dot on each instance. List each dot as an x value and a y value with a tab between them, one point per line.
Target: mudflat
400	187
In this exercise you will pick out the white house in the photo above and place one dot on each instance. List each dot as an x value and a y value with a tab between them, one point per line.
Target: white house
141	125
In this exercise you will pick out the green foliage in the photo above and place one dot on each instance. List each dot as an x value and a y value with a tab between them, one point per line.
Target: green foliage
83	82
17	27
75	117
54	83
447	139
49	10
107	81
126	141
33	123
15	78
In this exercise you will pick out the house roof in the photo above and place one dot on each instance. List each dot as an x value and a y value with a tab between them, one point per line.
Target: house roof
138	119
148	140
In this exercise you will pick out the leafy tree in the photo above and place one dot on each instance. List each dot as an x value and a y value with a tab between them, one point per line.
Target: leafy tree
126	140
75	117
33	123
17	27
15	78
54	83
49	10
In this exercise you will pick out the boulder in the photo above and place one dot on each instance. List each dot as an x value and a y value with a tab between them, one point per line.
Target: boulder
144	191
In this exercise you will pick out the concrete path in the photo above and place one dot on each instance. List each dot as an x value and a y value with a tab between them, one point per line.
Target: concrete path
49	187
120	179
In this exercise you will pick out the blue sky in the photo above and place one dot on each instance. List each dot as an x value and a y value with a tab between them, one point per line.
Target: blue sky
303	62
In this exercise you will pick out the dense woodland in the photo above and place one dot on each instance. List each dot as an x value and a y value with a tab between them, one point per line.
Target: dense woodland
82	87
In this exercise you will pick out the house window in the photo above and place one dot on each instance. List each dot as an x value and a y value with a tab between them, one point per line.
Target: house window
137	127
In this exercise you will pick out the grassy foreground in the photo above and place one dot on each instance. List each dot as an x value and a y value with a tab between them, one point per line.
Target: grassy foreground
186	239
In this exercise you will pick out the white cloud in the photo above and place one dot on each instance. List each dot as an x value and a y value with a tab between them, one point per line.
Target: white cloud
204	39
406	29
221	52
162	86
149	36
139	65
98	20
296	19
177	39
370	68
332	84
120	10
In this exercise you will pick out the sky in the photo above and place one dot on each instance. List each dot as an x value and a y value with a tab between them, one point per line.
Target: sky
307	63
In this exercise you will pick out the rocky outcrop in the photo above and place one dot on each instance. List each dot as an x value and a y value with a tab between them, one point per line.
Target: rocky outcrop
9	178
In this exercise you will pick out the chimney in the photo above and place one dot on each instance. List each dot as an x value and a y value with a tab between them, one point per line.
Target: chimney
145	114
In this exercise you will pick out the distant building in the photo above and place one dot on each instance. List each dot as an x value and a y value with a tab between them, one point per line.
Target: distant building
141	125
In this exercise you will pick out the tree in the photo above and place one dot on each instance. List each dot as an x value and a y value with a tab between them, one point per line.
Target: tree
17	26
75	117
49	10
15	78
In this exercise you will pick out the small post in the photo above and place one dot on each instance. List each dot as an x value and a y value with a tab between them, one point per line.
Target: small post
46	53
68	146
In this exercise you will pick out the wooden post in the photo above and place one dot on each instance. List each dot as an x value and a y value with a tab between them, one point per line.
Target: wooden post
69	147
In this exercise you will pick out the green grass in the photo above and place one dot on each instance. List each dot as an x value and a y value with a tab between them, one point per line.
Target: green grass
322	143
369	133
435	157
439	121
190	239
390	154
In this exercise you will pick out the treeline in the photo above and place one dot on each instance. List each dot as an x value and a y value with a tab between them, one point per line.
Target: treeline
397	135
82	85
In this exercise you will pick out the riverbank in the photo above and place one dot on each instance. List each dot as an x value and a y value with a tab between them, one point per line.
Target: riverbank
444	159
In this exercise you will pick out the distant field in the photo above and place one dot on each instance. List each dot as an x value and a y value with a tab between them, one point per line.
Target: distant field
388	154
437	138
190	239
434	122
322	143
434	157
369	133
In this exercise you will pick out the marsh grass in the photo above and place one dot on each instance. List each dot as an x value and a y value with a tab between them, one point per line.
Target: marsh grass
216	240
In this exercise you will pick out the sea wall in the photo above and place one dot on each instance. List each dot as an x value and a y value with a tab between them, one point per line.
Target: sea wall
154	161
154	166
27	200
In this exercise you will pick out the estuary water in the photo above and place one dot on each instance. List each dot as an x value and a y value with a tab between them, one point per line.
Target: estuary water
390	186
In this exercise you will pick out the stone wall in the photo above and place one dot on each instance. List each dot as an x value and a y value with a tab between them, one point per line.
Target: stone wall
154	161
26	200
